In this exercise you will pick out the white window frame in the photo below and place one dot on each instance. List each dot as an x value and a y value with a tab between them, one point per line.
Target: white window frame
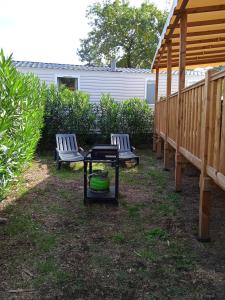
75	76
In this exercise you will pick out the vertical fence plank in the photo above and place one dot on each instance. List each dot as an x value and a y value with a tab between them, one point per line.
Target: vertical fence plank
222	146
186	119
216	155
192	119
212	112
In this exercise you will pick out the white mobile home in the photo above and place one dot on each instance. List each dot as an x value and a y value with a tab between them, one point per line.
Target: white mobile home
121	83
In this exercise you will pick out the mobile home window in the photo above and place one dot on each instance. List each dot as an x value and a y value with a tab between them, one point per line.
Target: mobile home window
69	82
150	91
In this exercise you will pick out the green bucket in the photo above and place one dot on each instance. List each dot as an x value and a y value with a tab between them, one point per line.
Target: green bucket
99	181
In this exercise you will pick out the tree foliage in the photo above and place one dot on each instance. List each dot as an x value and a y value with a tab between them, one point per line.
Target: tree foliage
129	34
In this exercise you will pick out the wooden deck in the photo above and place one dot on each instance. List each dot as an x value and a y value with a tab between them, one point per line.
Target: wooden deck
192	121
201	130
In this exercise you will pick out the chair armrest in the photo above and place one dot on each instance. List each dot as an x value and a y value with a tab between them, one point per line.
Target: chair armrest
81	149
133	148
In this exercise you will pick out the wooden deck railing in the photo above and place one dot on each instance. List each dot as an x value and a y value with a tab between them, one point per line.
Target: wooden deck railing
216	140
193	102
200	131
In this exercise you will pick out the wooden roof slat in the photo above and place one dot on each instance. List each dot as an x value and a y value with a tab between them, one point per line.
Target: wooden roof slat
200	23
202	41
196	62
203	9
200	33
208	47
196	58
197	54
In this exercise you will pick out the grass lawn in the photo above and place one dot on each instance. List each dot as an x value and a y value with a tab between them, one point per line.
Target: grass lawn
53	247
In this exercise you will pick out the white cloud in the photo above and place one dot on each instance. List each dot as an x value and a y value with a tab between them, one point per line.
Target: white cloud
45	30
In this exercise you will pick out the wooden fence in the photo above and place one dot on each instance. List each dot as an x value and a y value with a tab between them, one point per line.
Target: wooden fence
198	122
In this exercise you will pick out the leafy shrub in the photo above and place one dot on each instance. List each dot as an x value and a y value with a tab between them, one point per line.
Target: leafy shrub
133	116
67	111
136	116
108	115
21	118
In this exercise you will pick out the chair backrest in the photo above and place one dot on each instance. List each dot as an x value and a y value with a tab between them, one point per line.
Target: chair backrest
66	142
122	141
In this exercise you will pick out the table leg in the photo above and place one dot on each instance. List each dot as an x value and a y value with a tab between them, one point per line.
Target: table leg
85	182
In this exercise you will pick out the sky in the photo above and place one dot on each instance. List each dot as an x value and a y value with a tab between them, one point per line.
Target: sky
47	30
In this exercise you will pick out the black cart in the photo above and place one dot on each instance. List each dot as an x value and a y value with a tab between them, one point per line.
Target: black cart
107	154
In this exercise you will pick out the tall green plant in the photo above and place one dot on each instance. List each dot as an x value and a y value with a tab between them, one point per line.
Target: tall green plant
21	119
68	111
108	115
136	116
133	116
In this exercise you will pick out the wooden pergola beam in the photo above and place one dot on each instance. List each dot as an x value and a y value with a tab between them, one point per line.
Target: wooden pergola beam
196	54
219	58
208	47
176	21
200	33
200	23
198	10
196	62
202	41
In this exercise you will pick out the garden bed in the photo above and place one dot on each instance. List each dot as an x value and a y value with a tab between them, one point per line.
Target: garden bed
55	248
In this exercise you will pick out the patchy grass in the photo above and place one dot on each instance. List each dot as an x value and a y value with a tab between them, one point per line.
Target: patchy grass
119	238
57	248
155	233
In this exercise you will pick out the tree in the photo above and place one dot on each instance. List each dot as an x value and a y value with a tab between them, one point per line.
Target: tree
129	34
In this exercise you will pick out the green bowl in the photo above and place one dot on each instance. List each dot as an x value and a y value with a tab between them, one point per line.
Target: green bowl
99	181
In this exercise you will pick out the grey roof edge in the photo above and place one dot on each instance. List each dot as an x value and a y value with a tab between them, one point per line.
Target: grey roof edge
42	65
70	67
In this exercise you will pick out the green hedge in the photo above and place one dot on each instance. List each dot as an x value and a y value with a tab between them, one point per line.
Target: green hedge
71	112
21	119
133	116
67	112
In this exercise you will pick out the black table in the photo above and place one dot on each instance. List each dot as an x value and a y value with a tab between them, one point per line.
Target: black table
107	154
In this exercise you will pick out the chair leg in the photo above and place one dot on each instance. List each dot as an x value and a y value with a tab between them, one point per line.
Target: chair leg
58	165
55	155
138	160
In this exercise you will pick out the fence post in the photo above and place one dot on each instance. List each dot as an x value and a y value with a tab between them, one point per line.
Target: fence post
205	181
181	85
155	112
159	148
168	93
